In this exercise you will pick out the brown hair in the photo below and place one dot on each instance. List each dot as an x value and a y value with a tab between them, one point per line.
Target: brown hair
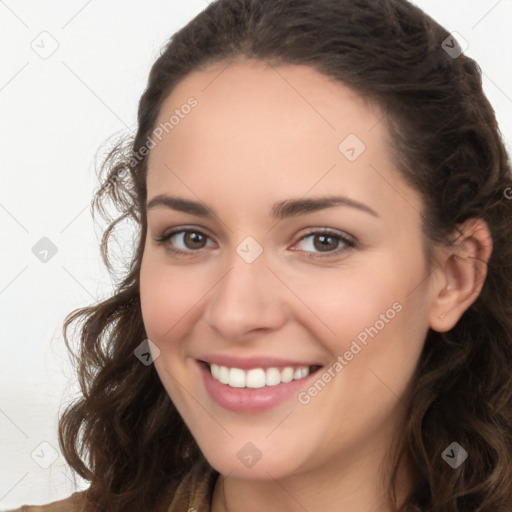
126	437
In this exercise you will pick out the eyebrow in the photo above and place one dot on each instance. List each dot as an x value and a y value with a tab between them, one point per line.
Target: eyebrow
280	210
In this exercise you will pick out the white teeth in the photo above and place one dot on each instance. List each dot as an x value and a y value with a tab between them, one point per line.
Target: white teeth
257	377
215	370
236	378
287	374
297	374
273	377
224	375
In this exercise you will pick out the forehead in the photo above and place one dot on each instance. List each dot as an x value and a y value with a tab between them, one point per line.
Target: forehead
261	131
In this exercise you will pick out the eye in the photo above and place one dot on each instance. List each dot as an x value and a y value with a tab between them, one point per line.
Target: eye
325	243
322	243
188	240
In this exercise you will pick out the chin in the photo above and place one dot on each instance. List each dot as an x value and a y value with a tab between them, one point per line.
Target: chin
249	463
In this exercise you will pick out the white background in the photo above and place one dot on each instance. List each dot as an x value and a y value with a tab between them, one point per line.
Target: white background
56	114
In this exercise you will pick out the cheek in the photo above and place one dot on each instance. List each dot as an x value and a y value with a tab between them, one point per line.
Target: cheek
378	300
344	302
172	298
168	295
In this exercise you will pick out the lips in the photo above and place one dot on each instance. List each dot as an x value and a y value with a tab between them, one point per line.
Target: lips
255	384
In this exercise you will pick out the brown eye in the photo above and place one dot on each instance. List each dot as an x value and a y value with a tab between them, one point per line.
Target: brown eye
194	240
183	241
325	241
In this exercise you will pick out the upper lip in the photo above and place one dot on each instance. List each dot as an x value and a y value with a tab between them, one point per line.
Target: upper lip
246	363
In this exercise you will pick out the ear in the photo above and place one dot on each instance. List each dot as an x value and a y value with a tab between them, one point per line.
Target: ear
462	274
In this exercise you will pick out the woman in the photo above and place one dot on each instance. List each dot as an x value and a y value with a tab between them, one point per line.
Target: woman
318	311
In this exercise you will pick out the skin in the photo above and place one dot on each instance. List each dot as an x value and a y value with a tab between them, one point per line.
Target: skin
259	135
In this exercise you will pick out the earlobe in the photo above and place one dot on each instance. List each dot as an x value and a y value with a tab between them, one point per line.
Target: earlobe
463	274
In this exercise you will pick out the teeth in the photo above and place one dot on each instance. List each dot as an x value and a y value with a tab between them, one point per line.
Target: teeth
224	375
257	377
272	377
287	374
215	371
236	378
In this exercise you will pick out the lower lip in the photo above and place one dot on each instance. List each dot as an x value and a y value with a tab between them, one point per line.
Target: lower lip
250	399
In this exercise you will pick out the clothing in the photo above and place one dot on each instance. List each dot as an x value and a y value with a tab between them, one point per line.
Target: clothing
191	494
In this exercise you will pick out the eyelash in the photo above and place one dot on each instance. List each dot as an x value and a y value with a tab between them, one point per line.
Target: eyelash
349	242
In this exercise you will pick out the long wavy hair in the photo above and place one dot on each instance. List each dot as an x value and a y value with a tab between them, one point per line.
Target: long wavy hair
124	434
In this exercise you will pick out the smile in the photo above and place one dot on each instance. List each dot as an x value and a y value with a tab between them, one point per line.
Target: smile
258	377
263	382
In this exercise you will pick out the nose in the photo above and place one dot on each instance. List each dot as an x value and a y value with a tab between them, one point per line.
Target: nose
248	299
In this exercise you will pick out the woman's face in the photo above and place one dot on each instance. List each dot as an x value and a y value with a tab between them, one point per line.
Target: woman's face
275	273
